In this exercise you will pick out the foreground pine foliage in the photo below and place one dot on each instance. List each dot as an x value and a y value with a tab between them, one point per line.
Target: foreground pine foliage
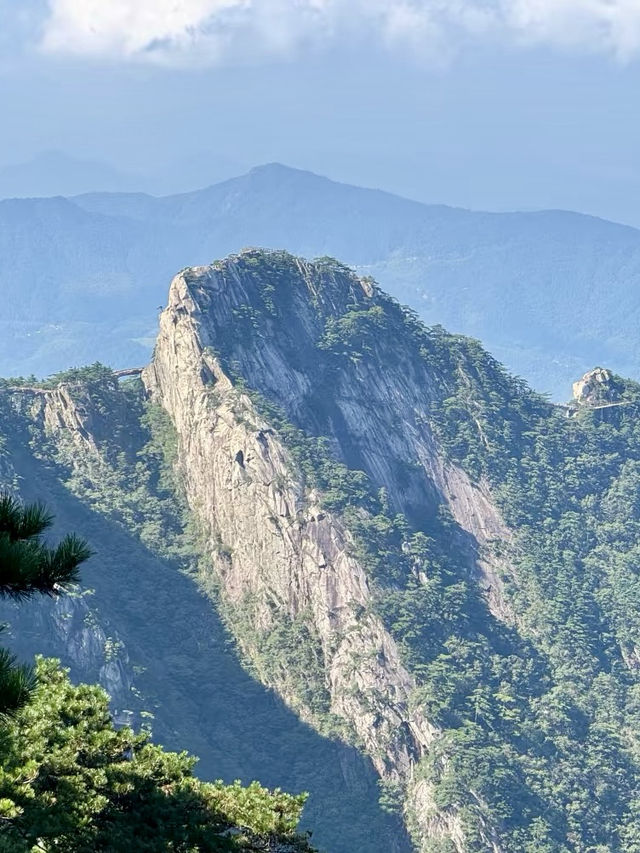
28	566
71	781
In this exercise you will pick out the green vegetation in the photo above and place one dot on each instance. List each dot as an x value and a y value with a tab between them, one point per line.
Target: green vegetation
133	478
471	670
567	486
71	781
354	334
92	373
288	657
539	721
29	566
130	481
538	728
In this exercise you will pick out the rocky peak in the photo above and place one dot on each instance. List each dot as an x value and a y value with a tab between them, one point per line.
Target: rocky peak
331	350
337	456
596	388
329	353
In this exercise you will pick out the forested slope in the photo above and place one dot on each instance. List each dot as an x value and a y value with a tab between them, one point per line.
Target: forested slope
93	451
508	583
428	562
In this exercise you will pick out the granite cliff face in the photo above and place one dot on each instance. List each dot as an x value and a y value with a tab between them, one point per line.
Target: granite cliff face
428	570
276	552
139	625
375	412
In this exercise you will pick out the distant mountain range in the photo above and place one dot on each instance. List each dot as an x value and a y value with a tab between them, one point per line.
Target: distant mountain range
52	173
550	293
55	173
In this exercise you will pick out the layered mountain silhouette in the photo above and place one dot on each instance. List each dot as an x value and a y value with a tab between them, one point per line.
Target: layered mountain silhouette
549	293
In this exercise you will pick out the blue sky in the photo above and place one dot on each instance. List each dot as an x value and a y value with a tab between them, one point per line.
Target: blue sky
495	104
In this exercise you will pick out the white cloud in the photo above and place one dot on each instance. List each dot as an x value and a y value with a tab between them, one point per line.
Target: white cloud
213	30
611	26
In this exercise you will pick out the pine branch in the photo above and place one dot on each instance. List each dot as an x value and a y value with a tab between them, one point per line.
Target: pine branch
35	520
22	522
27	565
59	566
16	683
19	567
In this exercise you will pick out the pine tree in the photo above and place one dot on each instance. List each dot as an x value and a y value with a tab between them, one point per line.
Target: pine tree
70	780
29	566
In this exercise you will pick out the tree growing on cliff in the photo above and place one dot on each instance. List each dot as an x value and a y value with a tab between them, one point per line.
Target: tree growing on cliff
29	566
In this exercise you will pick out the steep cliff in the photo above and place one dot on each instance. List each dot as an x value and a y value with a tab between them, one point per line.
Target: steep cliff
88	446
277	553
433	567
365	487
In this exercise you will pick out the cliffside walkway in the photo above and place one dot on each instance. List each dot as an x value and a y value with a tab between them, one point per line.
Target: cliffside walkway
128	371
572	411
39	389
611	405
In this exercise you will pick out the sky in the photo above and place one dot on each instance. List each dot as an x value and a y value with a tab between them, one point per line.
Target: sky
489	104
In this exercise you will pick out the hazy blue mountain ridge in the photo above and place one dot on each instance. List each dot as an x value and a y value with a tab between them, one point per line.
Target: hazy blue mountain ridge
550	293
52	173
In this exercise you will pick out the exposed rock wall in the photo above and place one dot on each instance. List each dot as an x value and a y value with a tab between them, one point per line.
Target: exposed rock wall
144	631
376	411
595	388
272	545
69	623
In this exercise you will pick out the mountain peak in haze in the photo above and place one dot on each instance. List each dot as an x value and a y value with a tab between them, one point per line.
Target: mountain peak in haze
550	293
278	170
282	176
52	173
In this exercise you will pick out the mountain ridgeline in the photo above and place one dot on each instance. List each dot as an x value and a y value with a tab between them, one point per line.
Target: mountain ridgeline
432	567
550	293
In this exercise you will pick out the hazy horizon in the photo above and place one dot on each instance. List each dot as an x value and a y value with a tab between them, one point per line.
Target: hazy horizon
82	177
486	106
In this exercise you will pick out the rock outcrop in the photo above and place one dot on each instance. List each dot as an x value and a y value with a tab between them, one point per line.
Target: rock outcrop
330	471
276	553
140	626
596	388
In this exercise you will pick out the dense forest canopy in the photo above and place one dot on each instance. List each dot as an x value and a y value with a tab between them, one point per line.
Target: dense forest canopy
69	779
